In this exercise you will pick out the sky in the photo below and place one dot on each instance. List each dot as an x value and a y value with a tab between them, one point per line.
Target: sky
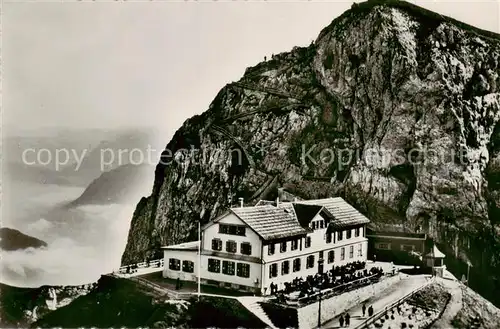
108	64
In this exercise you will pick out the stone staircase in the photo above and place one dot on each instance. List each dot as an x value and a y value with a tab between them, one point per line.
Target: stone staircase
252	304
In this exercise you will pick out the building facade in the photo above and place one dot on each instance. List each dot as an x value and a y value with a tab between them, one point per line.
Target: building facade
250	248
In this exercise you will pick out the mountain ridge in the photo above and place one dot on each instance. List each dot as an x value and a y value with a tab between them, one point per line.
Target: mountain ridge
379	79
119	185
12	240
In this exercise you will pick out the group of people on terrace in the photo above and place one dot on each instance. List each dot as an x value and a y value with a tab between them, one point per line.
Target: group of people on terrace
335	277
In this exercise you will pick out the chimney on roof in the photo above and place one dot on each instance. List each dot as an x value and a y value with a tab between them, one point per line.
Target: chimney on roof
241	202
281	191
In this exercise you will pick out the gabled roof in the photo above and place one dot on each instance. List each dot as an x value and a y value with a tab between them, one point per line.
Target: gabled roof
289	219
344	214
215	220
306	213
270	222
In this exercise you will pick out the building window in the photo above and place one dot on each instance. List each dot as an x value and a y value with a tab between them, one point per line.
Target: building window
329	237
294	244
360	250
356	232
310	261
174	264
246	248
384	246
321	253
214	265
339	236
351	251
313	225
308	242
217	244
270	249
273	270
243	270
331	256
232	229
187	266
342	253
348	234
231	246
322	224
227	267
285	267
283	247
296	264
407	247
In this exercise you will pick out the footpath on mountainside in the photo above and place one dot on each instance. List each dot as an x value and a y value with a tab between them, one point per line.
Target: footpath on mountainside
381	300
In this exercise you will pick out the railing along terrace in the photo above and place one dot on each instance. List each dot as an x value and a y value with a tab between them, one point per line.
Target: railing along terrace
132	268
342	288
170	293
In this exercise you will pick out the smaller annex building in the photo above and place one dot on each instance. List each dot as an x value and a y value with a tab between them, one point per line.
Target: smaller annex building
273	242
395	244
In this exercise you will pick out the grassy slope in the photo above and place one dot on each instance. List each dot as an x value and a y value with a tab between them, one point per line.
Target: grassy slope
114	303
123	303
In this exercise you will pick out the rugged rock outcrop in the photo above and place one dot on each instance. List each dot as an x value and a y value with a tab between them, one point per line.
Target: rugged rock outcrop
393	107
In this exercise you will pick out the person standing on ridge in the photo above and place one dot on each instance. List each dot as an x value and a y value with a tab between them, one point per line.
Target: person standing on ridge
363	309
341	321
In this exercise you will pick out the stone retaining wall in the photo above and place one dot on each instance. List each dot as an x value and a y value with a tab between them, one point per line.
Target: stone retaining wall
331	307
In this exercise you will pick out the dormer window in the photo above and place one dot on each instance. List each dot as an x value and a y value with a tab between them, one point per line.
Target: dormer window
321	224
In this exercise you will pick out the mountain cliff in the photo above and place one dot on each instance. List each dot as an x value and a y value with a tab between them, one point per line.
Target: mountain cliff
393	107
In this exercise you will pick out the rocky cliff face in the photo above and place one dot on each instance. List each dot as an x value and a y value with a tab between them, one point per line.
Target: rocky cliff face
393	107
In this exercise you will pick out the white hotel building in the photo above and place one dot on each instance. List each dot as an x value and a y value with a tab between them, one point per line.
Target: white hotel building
248	248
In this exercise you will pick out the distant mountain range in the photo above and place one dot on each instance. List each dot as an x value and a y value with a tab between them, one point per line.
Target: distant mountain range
102	150
11	240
